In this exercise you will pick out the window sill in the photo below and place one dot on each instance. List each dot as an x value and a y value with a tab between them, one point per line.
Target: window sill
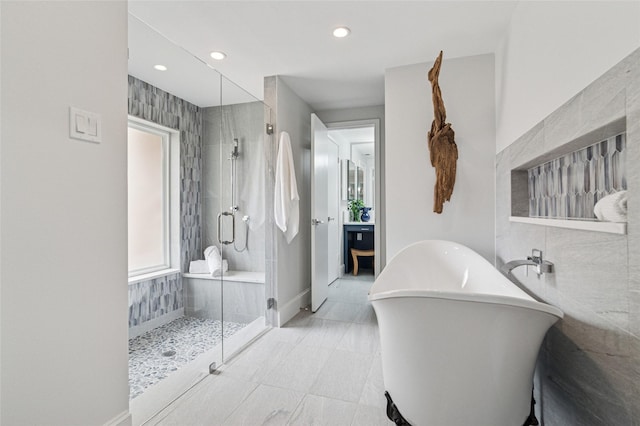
153	275
585	225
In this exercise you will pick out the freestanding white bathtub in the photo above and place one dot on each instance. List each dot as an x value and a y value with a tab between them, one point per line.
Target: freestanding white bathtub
459	341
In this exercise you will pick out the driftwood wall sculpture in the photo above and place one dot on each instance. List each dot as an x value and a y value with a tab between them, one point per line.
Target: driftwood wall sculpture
442	147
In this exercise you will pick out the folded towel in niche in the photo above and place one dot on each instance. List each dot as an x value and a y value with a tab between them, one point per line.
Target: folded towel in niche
199	267
612	208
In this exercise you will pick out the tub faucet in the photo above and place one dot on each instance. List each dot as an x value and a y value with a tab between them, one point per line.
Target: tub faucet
541	266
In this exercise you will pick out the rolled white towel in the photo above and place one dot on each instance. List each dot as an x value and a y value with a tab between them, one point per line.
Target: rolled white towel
214	260
211	250
219	272
199	267
612	208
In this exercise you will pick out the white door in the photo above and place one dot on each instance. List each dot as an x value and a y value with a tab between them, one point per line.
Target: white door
319	213
333	202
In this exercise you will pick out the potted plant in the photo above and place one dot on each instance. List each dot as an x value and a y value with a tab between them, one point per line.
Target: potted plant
355	206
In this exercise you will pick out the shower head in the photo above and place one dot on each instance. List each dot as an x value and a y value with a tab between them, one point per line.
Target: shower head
234	153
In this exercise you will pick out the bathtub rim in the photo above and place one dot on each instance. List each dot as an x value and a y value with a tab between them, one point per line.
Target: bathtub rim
470	297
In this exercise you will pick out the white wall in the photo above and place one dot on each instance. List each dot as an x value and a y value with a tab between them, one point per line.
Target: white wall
468	91
64	216
293	261
551	52
596	281
1	103
353	114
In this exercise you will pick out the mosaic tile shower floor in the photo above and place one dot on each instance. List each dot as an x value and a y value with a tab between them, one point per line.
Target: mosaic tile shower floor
158	352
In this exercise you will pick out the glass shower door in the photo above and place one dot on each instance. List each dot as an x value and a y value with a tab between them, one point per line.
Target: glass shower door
180	322
243	144
219	213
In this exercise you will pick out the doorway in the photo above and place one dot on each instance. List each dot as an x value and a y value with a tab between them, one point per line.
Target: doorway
346	178
358	143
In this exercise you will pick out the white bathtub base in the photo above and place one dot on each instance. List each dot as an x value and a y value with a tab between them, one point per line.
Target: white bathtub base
482	377
450	360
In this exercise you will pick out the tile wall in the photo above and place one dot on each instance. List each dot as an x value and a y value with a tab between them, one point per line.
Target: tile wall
243	301
155	105
570	186
589	366
221	125
151	299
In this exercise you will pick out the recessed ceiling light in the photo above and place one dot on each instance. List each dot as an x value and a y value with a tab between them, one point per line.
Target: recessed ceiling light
341	32
160	67
218	55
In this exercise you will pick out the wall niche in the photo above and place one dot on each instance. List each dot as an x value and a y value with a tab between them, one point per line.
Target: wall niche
561	187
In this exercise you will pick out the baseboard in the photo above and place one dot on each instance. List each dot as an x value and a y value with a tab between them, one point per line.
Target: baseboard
291	308
122	419
138	330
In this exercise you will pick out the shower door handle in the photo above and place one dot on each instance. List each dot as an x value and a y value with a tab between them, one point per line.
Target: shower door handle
233	227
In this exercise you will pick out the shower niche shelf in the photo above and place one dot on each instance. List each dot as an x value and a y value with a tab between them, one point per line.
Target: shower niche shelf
561	187
585	225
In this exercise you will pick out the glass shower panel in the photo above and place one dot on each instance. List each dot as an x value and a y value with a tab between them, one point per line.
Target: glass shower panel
176	320
243	142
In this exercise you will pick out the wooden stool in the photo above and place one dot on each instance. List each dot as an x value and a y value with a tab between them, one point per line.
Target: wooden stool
355	253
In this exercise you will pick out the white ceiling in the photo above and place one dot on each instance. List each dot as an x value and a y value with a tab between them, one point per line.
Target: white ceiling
360	140
293	39
353	134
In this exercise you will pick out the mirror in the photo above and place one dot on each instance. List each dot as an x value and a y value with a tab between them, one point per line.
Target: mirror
357	151
350	181
347	180
360	184
362	156
354	183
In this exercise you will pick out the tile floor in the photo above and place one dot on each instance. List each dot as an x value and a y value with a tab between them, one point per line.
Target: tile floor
319	369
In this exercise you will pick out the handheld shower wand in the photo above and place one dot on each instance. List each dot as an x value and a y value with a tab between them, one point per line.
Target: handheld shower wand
234	156
234	207
245	219
234	153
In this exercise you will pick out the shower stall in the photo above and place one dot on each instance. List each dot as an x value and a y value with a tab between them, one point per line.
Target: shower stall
184	324
233	216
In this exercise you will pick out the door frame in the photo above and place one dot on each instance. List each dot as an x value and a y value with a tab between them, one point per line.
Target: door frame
336	273
379	239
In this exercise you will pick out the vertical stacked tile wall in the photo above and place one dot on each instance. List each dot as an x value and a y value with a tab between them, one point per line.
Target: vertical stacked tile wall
571	185
154	298
155	105
589	366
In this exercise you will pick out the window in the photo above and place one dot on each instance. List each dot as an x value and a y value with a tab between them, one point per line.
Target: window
149	197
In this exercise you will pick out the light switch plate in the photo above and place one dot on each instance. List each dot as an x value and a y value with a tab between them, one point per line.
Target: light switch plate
84	125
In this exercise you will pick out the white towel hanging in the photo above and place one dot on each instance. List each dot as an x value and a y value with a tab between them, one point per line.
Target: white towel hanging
286	200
